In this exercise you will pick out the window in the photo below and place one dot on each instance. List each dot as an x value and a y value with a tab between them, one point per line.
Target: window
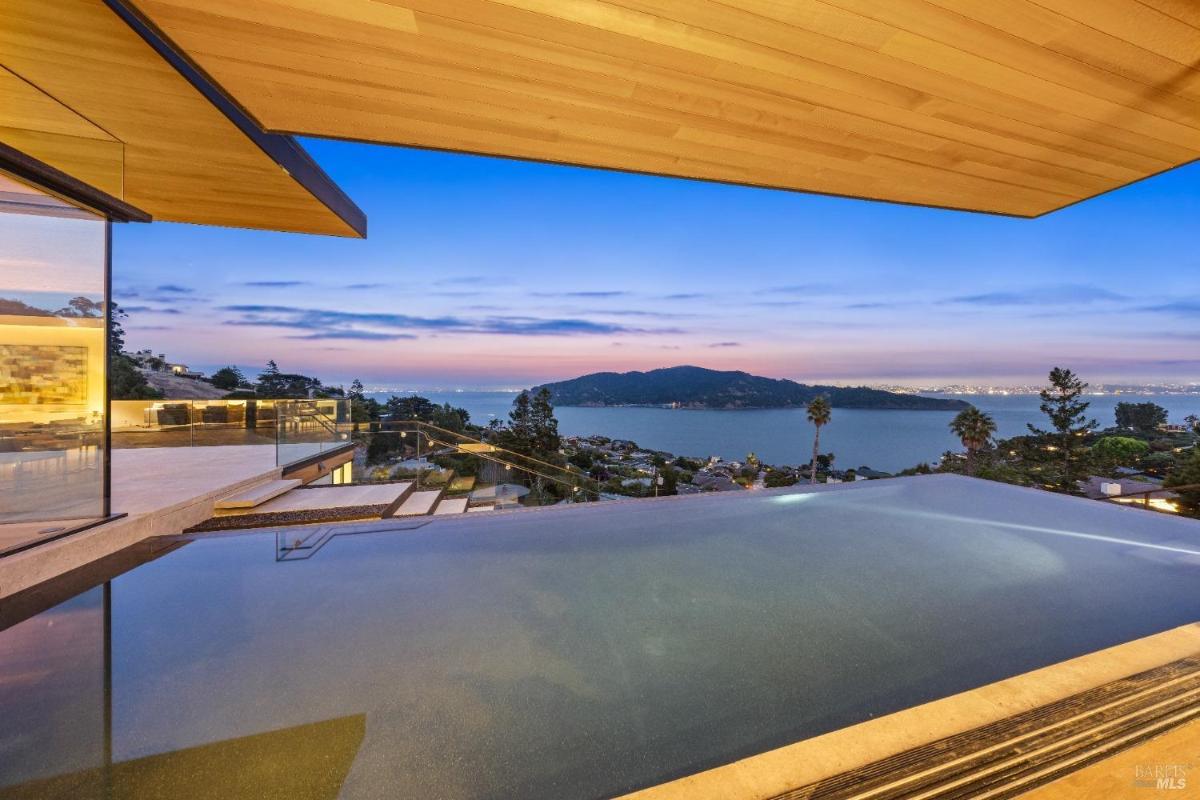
53	303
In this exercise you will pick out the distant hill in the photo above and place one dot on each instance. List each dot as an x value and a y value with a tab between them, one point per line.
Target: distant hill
177	387
696	387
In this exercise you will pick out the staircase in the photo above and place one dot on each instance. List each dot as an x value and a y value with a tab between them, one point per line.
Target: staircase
288	502
283	502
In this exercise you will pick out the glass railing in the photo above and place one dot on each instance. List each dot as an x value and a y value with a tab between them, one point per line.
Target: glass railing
192	423
296	428
470	468
305	428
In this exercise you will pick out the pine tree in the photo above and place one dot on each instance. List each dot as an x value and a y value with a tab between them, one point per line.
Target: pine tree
1069	423
520	425
544	425
228	378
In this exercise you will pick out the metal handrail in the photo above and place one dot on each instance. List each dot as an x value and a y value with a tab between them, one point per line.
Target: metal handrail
431	426
301	412
1145	493
308	410
577	481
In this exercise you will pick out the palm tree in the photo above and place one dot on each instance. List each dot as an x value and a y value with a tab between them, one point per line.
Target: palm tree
975	429
819	412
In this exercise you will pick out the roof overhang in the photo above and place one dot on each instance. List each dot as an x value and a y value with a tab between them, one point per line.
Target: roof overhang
1016	108
91	91
186	110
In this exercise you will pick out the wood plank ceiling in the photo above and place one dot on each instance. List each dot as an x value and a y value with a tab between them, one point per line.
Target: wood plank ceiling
81	91
1017	107
37	124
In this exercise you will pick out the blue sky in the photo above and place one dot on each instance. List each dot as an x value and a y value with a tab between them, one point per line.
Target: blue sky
482	272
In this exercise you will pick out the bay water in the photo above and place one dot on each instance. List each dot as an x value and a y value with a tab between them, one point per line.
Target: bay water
889	440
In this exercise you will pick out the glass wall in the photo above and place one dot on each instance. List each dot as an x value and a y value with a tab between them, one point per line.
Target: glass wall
53	296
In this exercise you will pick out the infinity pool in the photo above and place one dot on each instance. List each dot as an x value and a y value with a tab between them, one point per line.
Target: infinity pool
566	653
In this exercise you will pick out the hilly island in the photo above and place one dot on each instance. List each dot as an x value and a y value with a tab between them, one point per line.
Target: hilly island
697	387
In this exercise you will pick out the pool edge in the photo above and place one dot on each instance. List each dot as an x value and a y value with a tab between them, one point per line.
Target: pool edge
786	769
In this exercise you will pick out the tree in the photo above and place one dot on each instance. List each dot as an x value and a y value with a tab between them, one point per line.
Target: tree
532	428
1140	416
125	380
81	307
975	430
1187	473
1119	451
670	480
116	334
362	408
275	384
519	434
228	378
546	439
1069	423
1193	422
819	414
777	478
411	407
451	418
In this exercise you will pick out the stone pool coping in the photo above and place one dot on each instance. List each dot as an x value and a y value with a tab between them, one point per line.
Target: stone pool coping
786	769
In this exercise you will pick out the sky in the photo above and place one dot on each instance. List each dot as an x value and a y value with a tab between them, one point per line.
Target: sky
492	273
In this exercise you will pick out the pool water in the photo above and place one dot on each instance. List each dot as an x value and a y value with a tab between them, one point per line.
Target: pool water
568	653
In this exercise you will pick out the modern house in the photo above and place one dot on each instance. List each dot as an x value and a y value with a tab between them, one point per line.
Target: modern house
932	636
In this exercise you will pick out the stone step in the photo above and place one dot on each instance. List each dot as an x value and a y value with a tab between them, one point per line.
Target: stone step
366	495
312	504
451	505
482	508
417	503
257	495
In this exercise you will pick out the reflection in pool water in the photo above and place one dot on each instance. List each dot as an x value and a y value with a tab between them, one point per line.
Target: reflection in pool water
575	653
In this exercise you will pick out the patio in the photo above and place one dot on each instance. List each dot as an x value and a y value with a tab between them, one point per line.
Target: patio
161	490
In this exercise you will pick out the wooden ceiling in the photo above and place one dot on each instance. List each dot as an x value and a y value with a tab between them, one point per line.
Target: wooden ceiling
82	91
1017	107
39	125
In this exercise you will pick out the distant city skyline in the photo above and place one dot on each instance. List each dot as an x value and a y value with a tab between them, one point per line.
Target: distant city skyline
488	273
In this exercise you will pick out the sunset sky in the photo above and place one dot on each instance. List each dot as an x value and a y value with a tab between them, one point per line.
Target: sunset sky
481	273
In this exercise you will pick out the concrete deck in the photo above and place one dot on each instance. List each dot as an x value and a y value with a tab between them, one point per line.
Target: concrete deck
417	504
162	490
324	497
451	505
258	494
